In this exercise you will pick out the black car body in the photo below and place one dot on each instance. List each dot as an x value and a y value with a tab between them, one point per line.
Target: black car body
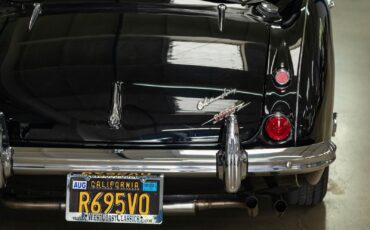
181	88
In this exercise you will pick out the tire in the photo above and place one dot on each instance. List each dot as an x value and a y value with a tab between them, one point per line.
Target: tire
308	195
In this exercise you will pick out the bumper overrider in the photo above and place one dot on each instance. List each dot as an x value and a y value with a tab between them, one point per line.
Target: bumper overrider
232	164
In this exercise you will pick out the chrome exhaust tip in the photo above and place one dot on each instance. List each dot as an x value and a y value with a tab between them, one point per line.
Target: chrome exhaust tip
252	206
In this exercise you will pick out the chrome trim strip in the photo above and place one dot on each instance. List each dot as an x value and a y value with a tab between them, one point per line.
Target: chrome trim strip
187	163
306	14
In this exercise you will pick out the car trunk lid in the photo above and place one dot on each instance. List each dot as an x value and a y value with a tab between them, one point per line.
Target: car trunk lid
58	79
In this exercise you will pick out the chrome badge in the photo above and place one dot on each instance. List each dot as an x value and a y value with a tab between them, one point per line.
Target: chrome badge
226	113
115	117
207	101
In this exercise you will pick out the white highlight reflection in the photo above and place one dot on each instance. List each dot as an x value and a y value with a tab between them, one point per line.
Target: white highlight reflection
207	54
197	153
206	3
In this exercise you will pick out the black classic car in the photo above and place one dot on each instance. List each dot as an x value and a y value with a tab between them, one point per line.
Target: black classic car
126	111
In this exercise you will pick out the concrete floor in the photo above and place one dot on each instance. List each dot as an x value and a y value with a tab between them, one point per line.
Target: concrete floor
347	204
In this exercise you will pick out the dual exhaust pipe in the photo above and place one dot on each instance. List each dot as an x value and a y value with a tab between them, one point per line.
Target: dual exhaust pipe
184	208
279	206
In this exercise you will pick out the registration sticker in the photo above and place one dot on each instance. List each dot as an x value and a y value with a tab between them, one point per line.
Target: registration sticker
150	186
79	185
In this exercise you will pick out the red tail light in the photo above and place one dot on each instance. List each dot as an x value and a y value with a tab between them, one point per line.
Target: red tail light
282	77
278	127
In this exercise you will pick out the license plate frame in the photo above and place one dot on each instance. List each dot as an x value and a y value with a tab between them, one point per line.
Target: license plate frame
83	187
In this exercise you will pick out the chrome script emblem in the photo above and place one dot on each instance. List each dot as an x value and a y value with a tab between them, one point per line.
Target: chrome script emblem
226	113
207	101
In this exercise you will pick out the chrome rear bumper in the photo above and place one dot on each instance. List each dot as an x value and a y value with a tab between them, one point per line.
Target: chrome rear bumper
232	164
186	163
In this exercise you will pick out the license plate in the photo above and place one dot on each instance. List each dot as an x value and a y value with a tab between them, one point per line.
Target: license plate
114	198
